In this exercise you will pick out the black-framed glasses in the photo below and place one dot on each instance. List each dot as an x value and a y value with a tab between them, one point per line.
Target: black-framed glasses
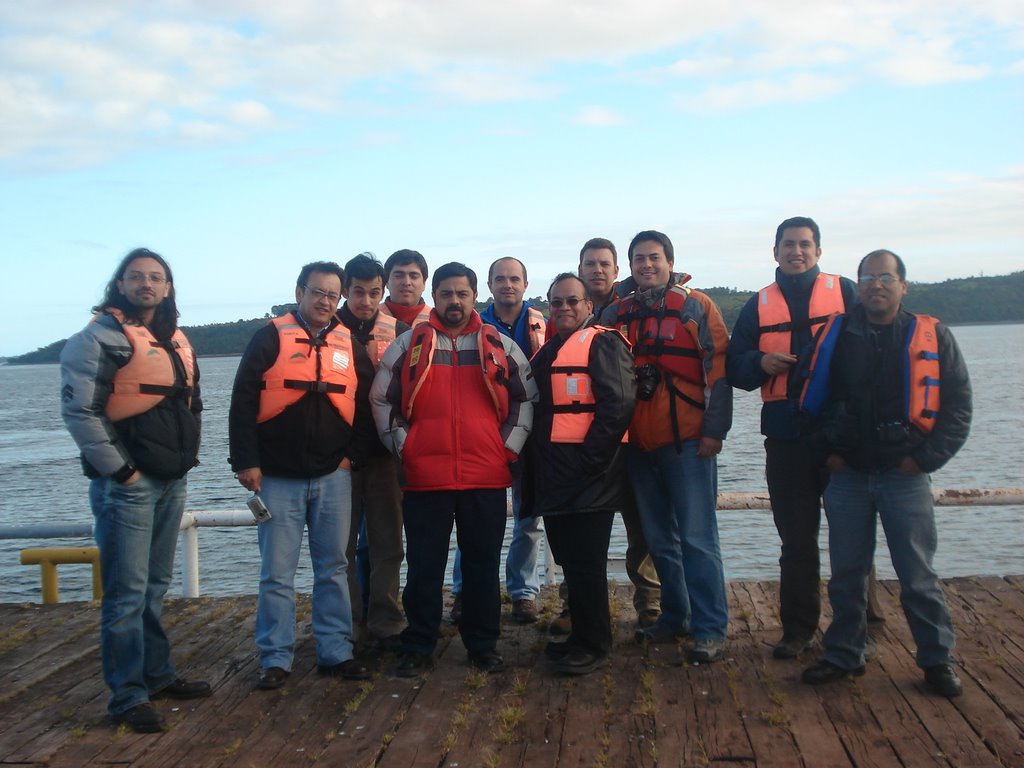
885	279
570	302
318	294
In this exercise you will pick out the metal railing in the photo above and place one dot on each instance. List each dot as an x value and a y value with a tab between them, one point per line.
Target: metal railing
193	520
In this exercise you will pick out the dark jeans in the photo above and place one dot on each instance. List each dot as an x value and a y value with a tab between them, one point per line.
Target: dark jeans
579	542
795	485
479	518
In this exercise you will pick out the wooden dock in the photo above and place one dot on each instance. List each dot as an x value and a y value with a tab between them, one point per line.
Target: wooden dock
647	708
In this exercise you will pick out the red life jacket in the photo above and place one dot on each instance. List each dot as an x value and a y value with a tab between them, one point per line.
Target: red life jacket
381	336
420	357
921	380
149	376
422	313
572	393
304	365
776	324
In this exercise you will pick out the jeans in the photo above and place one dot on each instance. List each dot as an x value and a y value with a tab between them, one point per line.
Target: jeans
521	579
136	531
904	505
479	517
323	505
676	496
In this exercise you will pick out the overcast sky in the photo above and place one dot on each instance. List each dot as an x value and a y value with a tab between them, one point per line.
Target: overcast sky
243	139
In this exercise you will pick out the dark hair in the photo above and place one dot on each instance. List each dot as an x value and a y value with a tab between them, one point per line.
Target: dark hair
654	236
363	267
327	267
165	318
901	268
599	242
453	269
490	269
571	276
403	257
796	223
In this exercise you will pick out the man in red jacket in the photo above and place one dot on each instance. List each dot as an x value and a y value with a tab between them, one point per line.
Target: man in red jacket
453	399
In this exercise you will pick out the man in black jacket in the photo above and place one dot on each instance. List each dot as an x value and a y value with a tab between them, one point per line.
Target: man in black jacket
294	437
892	399
576	477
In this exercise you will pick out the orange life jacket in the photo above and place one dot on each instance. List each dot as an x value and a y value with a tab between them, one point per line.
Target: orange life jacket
302	366
572	393
381	336
420	357
776	324
536	327
149	376
921	380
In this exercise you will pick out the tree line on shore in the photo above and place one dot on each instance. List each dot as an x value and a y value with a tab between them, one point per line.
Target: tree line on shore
994	299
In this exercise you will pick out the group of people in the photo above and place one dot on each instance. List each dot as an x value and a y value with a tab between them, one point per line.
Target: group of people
359	418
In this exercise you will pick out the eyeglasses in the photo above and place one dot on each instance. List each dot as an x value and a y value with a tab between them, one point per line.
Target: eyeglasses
570	302
318	294
140	277
885	279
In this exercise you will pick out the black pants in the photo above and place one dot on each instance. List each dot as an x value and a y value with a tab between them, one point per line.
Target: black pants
479	517
579	542
795	485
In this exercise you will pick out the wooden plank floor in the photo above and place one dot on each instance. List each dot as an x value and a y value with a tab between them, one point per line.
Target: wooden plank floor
647	708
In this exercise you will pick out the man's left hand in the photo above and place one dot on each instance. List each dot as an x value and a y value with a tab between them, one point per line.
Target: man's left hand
709	446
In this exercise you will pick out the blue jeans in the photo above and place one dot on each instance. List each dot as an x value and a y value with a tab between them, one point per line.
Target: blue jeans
521	579
324	506
904	504
136	531
676	496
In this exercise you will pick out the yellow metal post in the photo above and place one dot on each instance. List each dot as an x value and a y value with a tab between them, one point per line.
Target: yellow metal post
48	558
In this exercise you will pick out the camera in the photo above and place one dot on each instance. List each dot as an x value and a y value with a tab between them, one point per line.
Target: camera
259	509
891	433
647	378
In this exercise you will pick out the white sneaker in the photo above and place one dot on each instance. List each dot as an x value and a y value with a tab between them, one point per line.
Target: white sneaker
706	650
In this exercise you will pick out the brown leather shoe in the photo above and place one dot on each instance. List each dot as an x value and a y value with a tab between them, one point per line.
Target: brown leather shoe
272	677
525	611
561	624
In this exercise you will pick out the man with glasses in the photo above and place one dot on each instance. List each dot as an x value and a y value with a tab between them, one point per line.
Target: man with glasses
576	473
891	399
130	399
773	332
294	437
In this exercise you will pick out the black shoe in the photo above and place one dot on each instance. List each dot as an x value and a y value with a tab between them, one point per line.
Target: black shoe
184	689
580	662
827	672
657	634
412	664
390	644
487	661
272	677
791	646
942	679
142	718
556	651
346	670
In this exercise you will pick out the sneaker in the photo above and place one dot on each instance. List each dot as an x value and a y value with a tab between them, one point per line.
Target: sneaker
870	648
647	618
791	646
271	678
658	633
525	610
413	664
346	670
142	718
561	624
487	661
456	615
942	679
580	662
827	672
184	689
706	650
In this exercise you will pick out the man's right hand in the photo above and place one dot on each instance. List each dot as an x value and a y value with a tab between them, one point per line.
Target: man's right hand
774	363
250	478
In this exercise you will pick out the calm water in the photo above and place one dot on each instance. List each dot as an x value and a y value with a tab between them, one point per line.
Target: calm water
40	479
